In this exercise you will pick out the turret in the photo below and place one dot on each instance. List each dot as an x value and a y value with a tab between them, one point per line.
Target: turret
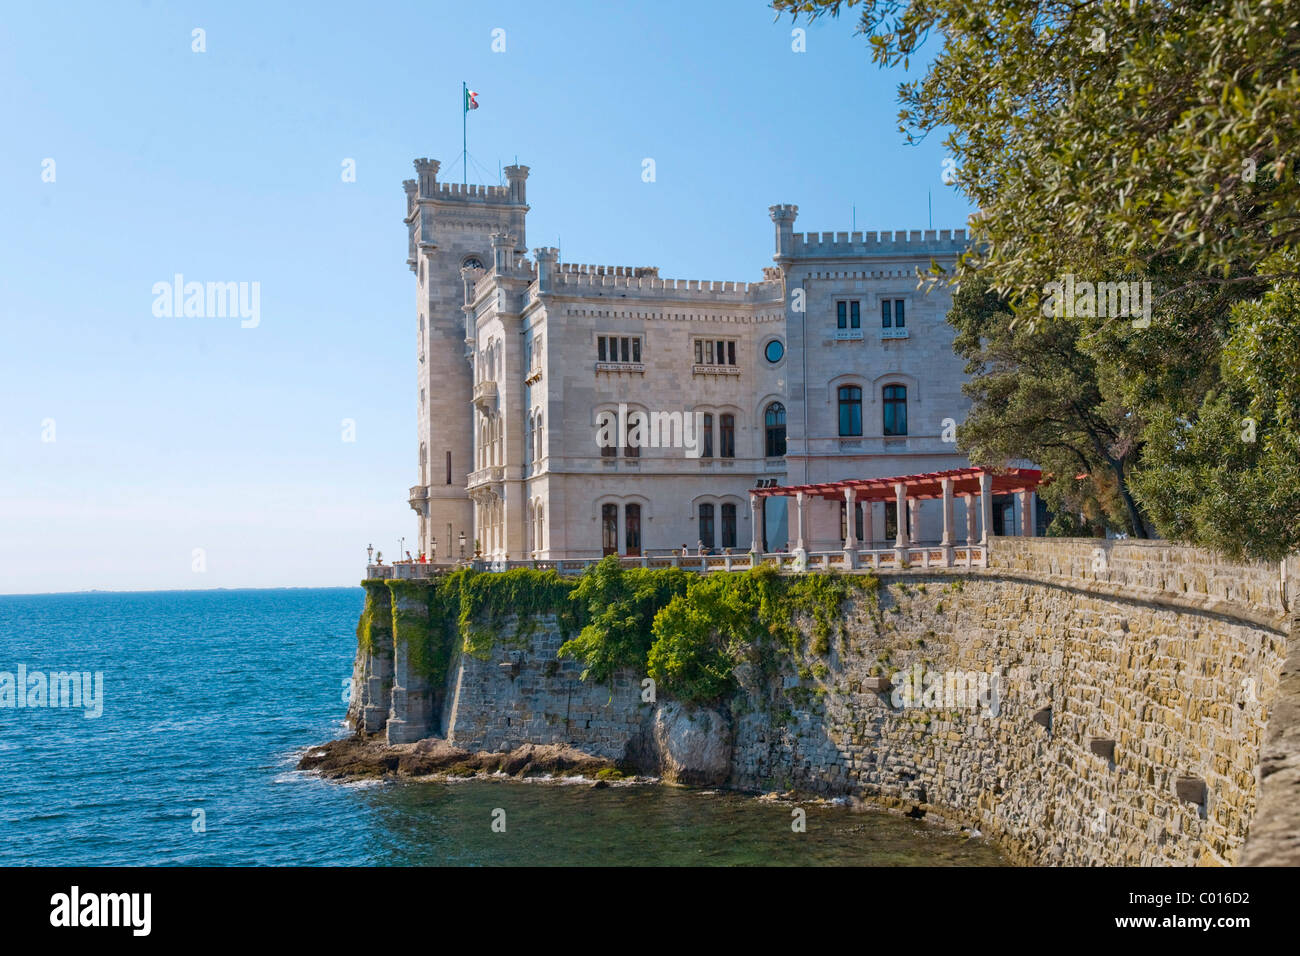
546	258
427	170
517	177
784	217
503	253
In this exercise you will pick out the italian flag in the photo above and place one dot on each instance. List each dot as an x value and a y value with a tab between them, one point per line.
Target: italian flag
470	102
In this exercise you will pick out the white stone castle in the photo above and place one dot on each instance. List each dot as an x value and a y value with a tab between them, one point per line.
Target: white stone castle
570	411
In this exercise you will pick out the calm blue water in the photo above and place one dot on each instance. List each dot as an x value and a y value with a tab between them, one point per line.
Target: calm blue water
211	696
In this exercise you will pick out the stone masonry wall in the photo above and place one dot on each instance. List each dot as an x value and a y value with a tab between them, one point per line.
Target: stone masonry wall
1103	706
529	695
1125	727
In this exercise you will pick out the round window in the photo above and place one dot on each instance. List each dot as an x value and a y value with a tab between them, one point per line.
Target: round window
775	351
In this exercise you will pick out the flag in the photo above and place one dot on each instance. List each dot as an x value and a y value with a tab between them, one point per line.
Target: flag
470	102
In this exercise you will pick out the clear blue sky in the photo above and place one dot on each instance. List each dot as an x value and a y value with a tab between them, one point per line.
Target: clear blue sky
172	434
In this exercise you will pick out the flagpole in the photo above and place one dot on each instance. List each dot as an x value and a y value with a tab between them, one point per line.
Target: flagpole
464	150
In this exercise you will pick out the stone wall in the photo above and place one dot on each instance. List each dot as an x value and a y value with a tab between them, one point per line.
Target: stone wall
528	694
1123	717
1113	717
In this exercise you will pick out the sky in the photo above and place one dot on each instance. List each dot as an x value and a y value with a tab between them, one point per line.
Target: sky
143	451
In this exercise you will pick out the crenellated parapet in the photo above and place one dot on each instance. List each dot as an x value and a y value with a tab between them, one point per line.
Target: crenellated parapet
651	286
847	245
585	269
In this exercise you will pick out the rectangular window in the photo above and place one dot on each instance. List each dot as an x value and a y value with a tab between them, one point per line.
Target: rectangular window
706	526
448	467
609	529
727	436
715	352
899	321
728	526
708	436
841	315
616	348
885	322
855	315
857	522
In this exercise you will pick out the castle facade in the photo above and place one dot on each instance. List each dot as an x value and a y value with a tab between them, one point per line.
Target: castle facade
571	411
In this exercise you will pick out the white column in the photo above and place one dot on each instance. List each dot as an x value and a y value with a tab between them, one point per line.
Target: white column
799	518
970	518
850	522
1026	513
757	510
947	512
900	505
851	527
986	506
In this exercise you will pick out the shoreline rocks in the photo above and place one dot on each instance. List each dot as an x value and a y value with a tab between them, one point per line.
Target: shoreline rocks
361	757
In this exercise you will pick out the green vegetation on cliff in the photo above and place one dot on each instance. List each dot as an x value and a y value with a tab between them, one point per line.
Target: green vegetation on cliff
687	631
690	631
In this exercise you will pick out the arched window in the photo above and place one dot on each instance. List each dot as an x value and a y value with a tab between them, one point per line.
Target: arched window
541	525
774	430
424	464
727	436
850	410
528	442
528	527
537	438
895	401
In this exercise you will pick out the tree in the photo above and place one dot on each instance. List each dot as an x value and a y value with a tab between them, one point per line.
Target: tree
1142	130
1227	473
1147	140
1037	395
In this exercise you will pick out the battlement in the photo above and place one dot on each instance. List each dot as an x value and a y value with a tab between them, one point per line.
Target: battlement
471	191
576	282
846	244
585	269
426	186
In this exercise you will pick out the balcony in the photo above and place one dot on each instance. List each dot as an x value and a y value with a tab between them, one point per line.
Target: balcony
486	475
715	369
893	333
848	335
485	395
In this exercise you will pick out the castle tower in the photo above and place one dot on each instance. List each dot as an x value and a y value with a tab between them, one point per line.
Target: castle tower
450	228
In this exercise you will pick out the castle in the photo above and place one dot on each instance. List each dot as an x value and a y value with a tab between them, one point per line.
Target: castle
571	411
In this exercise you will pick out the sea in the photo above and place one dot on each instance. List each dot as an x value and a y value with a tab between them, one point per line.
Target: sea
209	698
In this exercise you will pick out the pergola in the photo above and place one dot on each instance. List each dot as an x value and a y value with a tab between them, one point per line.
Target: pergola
946	485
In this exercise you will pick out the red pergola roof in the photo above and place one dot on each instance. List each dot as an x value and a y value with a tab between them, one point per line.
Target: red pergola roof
965	481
